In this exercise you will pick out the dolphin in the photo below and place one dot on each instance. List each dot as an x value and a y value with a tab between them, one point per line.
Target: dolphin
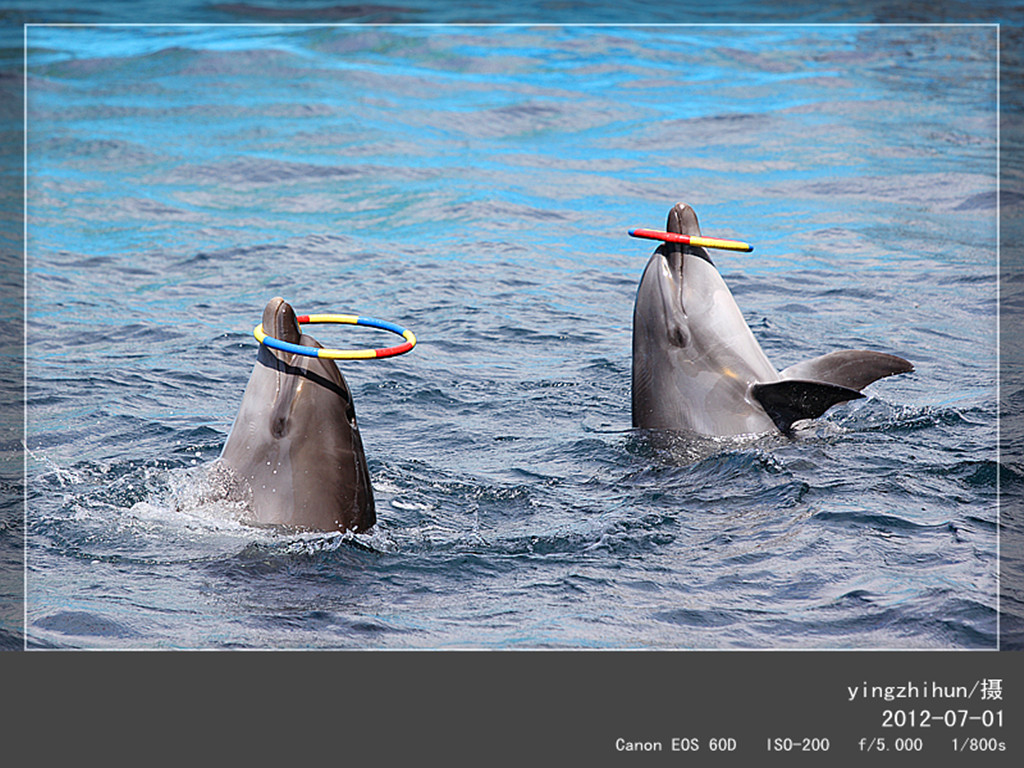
294	450
698	368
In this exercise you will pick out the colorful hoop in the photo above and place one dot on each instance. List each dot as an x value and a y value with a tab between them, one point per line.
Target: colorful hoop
341	354
703	242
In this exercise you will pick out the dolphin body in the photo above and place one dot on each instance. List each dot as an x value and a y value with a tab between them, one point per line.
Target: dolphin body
698	368
294	450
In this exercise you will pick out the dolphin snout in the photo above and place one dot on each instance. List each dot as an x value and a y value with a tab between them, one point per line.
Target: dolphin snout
279	321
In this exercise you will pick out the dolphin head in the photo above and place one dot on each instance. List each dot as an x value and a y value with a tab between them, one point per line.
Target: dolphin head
670	275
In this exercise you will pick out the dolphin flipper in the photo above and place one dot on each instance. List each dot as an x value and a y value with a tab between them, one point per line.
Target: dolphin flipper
791	400
853	368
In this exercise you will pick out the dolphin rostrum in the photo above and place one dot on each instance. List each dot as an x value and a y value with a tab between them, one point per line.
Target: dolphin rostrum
294	447
697	367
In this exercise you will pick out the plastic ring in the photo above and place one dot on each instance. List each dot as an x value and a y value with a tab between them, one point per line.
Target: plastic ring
341	354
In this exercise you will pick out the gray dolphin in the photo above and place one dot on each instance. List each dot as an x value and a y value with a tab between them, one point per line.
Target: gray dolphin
294	447
697	367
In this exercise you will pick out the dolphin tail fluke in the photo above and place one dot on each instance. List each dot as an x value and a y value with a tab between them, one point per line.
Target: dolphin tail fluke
853	368
791	400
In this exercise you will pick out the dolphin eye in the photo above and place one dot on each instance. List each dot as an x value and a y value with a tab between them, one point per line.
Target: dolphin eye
678	336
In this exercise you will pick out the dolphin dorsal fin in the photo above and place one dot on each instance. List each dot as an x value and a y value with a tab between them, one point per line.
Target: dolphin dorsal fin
791	400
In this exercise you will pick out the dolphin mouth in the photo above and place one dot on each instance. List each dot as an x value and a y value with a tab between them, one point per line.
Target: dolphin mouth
279	321
682	220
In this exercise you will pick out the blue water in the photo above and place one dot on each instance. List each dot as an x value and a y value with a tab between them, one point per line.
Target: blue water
475	184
